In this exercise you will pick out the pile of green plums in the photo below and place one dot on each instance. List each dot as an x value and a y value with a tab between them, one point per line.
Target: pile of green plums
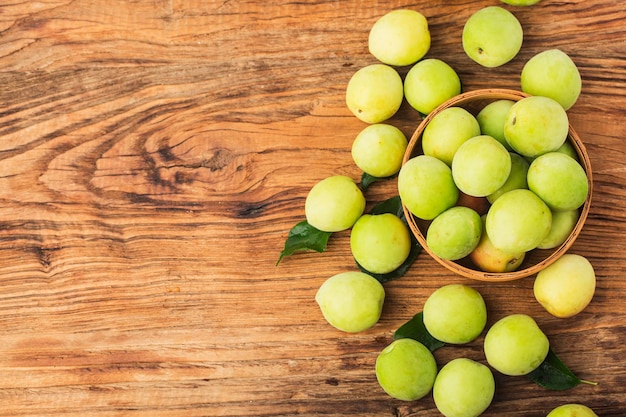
407	370
516	157
456	314
352	301
492	36
400	38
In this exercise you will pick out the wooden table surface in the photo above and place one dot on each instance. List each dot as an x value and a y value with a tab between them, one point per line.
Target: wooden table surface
155	154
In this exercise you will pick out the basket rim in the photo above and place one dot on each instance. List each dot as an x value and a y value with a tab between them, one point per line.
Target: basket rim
496	94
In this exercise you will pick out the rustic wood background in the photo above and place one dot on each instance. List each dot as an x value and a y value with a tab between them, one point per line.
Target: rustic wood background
155	154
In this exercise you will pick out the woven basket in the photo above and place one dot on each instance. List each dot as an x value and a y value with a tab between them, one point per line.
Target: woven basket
535	260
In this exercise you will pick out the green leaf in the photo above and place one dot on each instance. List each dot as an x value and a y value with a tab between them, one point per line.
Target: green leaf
415	329
553	374
367	180
303	236
393	205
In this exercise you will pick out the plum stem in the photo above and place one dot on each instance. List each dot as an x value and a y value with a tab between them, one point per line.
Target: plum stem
583	381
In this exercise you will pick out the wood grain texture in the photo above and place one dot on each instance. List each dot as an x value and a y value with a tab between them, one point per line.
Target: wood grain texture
155	154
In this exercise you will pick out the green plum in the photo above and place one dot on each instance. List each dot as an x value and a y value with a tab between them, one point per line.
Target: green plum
378	150
406	369
334	204
492	36
536	125
481	165
516	179
488	258
430	83
426	186
559	181
572	410
400	37
563	222
515	345
552	73
380	243
351	301
374	93
454	233
518	221
566	287
463	388
455	313
491	120
568	149
447	131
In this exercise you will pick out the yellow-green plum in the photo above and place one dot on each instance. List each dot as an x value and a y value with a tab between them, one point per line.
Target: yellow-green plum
566	287
400	37
518	221
334	204
568	149
455	313
374	93
446	131
536	125
563	222
492	36
430	83
406	369
515	345
491	120
481	165
488	258
378	150
463	388
426	187
454	233
520	2
572	410
559	181
516	179
380	243
351	301
552	73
